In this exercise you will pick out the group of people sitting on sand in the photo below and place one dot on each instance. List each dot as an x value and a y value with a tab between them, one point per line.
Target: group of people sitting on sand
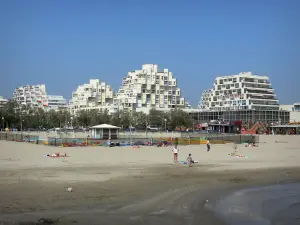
251	144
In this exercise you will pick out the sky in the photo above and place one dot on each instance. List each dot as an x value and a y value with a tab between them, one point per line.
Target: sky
64	43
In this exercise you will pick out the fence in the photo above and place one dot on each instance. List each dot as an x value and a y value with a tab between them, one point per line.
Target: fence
240	138
70	142
20	137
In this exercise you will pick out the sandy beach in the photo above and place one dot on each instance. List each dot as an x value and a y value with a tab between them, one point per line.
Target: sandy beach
125	185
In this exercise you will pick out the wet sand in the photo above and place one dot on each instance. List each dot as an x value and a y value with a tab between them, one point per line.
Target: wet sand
132	186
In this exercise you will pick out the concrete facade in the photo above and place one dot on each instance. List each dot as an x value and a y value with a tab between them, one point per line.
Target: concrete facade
240	92
294	110
3	101
94	95
56	102
31	95
149	88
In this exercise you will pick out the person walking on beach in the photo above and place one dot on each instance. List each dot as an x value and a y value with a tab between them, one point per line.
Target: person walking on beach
208	145
175	152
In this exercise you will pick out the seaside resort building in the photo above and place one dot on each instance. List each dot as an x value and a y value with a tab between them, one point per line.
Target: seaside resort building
31	95
3	101
94	95
294	110
238	102
56	102
36	96
148	88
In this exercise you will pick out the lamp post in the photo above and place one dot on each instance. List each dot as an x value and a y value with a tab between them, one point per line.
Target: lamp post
165	125
3	123
240	122
72	126
21	124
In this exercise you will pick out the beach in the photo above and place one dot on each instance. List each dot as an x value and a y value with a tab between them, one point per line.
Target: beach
126	185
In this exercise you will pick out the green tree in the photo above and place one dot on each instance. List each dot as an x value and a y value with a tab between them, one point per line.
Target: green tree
116	119
156	118
82	118
125	119
10	114
179	118
140	120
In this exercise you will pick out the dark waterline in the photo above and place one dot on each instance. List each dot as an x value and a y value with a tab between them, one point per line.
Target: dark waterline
278	204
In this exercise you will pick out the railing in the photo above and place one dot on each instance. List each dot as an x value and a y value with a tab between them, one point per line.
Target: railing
81	142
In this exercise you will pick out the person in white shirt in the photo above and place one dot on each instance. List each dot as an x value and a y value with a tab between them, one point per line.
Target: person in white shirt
175	152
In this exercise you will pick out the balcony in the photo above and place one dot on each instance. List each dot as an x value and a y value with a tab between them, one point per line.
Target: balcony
263	99
262	91
258	87
258	102
254	80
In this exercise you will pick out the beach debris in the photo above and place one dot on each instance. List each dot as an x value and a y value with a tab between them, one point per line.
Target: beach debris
70	189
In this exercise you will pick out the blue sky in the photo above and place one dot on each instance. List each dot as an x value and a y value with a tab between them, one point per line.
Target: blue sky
64	43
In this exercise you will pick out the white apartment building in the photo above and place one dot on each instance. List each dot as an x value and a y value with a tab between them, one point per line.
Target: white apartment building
242	91
3	101
56	102
36	96
31	95
94	95
294	112
148	88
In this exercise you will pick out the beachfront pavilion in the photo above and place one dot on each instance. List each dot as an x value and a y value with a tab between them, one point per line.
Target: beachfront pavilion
105	131
285	129
246	116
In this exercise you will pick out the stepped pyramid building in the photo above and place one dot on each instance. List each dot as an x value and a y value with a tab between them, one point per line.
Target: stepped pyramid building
242	91
94	95
149	88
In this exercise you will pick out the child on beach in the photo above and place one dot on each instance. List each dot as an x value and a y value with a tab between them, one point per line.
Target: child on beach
234	150
190	160
175	152
235	147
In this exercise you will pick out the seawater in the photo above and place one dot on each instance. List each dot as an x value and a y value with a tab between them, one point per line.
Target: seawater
278	204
